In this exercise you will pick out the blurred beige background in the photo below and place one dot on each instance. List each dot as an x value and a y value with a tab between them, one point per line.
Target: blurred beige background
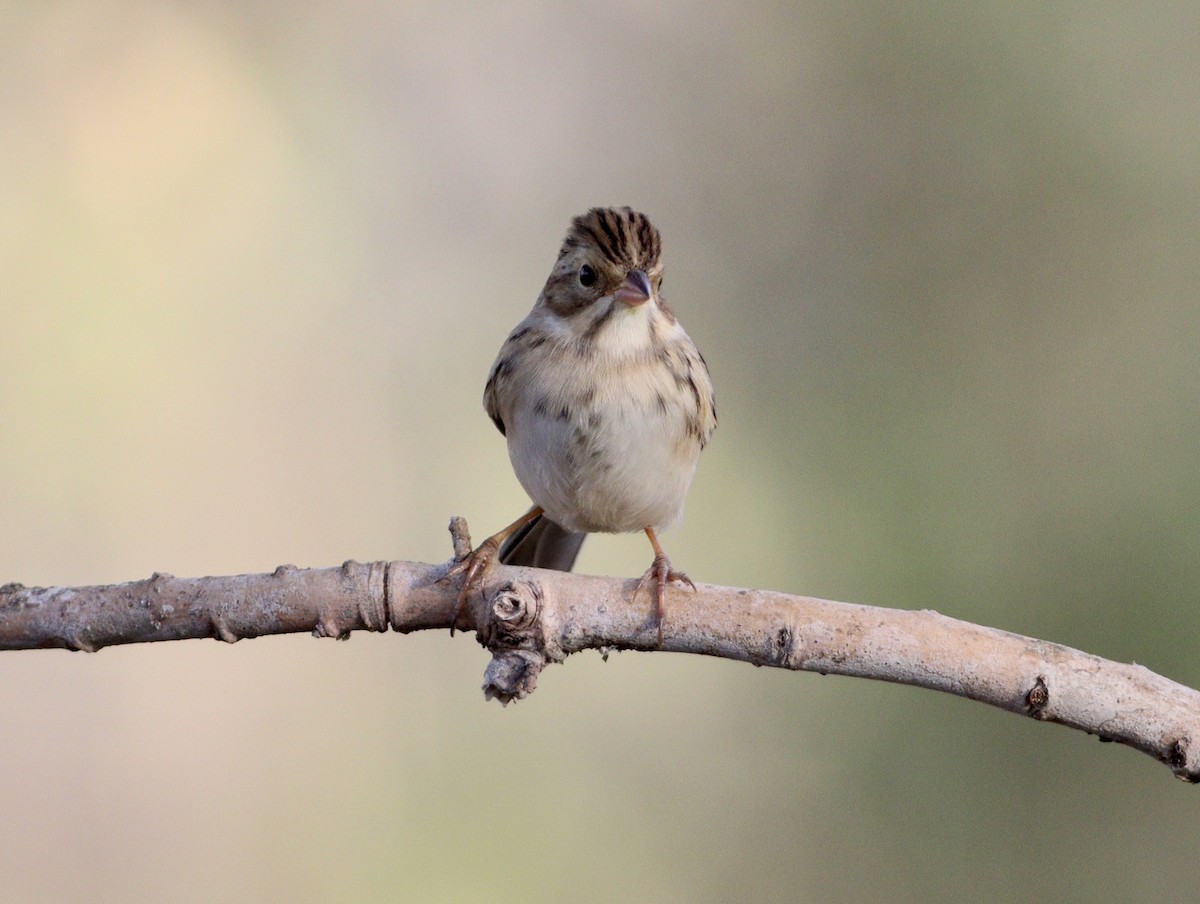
255	260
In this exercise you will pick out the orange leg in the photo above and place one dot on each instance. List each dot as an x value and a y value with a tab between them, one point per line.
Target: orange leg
662	573
477	563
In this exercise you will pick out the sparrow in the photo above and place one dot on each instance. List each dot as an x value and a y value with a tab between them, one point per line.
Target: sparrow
605	402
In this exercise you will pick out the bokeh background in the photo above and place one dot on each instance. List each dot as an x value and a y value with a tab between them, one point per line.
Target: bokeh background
255	261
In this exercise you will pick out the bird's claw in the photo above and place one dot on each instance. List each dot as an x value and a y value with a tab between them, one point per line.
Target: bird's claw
475	567
662	573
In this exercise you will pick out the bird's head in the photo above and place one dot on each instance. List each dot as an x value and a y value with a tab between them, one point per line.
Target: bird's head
604	290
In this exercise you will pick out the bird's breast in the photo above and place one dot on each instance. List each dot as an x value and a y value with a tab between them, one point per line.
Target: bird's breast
608	452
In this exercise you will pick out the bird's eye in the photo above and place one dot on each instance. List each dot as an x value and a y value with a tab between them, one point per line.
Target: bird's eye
587	276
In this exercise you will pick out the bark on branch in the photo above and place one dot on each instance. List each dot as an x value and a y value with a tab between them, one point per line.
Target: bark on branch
528	618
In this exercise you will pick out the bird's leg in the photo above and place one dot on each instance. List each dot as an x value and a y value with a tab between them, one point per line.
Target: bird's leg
480	560
662	573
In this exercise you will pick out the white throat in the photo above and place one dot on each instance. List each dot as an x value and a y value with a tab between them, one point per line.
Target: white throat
628	330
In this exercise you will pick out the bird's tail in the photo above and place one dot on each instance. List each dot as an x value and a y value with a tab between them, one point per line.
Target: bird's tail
542	544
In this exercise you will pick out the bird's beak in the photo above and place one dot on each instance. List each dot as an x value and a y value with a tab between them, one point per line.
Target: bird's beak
635	290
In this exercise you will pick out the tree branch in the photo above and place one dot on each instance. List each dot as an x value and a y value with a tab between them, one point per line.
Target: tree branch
528	617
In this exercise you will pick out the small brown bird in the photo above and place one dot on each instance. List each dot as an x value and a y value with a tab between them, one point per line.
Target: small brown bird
605	402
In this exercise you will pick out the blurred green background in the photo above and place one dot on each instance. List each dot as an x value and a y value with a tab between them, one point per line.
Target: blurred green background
255	261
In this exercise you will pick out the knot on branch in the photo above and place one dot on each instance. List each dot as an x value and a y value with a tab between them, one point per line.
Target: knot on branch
1178	758
512	675
1038	698
515	635
515	608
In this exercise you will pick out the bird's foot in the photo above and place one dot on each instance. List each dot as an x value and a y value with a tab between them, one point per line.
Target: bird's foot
661	572
479	561
474	566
